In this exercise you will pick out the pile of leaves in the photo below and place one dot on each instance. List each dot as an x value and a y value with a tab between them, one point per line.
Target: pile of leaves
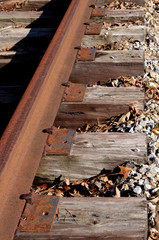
123	24
11	6
130	44
153	235
156	3
106	184
114	124
151	92
120	5
123	81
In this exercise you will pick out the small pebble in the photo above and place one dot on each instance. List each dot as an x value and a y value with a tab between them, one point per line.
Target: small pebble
137	190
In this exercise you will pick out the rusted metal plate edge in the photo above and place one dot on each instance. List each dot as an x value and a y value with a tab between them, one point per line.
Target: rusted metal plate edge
98	12
59	142
93	29
38	216
75	92
21	145
86	54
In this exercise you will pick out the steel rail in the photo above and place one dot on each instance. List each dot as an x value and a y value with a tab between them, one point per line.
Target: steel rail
21	145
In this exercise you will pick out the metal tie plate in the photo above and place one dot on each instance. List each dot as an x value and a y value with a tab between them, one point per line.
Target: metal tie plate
86	54
59	142
93	29
98	12
74	93
40	214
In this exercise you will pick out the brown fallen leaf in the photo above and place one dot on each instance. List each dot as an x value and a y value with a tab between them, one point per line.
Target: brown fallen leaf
153	235
104	179
59	193
157	145
117	192
67	181
124	118
75	194
155	200
66	187
77	182
156	131
41	188
125	171
84	184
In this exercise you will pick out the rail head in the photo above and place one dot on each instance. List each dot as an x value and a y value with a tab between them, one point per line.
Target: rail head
21	145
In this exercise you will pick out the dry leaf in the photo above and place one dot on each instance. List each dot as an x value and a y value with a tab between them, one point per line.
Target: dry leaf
155	200
125	171
77	182
156	131
59	193
153	235
75	194
157	145
124	118
67	181
41	188
84	184
117	192
104	179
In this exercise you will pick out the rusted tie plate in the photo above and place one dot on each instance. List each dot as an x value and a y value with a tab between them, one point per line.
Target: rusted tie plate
98	11
74	92
59	142
93	29
86	54
39	214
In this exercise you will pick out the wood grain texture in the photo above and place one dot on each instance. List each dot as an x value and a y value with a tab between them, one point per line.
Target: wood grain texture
96	218
18	59
119	16
24	18
108	65
103	2
114	35
99	103
90	153
30	5
9	37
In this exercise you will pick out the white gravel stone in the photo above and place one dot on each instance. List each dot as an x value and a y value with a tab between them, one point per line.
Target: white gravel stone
143	169
137	190
147	186
141	182
139	176
151	206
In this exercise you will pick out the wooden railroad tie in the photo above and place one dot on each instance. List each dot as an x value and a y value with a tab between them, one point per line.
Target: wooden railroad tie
96	218
99	103
90	153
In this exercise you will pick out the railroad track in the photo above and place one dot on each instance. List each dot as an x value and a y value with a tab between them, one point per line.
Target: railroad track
67	92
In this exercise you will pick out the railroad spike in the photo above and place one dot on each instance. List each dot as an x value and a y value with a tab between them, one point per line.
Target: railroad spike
86	23
78	48
27	197
67	84
92	6
48	130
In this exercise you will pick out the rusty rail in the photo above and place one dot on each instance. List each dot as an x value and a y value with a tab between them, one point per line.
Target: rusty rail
21	145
